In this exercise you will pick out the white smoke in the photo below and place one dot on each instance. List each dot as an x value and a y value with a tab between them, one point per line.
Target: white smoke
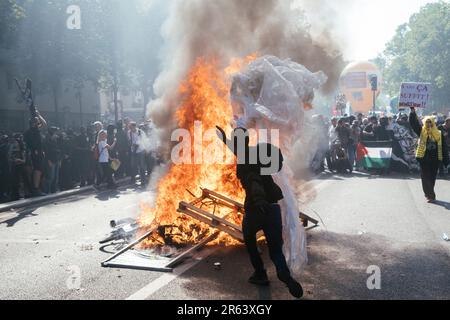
235	28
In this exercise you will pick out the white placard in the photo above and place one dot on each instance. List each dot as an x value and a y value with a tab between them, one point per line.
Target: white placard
415	95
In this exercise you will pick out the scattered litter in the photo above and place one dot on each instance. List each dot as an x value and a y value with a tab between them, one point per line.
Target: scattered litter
87	247
217	266
360	233
445	237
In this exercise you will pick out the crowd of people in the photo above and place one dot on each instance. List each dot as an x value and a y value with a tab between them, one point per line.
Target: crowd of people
341	136
45	160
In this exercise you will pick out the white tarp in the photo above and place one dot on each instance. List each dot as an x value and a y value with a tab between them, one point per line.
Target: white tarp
272	94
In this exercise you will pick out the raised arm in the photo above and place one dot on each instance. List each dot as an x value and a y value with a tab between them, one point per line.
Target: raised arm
42	121
414	122
223	137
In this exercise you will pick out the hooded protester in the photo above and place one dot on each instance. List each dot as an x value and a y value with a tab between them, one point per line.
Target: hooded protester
262	211
431	152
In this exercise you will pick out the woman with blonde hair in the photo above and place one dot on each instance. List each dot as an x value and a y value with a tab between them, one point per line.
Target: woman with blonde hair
104	158
431	152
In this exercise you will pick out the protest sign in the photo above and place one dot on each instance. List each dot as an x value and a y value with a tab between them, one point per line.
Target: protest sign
415	95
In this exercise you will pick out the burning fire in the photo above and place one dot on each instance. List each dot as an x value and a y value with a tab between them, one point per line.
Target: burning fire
205	97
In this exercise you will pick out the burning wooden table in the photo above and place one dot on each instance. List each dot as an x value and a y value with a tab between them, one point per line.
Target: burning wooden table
204	209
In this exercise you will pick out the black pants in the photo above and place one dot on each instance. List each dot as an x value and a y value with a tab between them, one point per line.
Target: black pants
124	169
19	173
429	171
271	224
107	174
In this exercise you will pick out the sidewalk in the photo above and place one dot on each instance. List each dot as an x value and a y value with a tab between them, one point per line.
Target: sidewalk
60	195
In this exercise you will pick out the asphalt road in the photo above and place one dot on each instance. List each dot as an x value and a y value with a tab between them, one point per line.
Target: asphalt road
367	221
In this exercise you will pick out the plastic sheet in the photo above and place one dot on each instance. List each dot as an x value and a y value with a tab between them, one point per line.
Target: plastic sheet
272	94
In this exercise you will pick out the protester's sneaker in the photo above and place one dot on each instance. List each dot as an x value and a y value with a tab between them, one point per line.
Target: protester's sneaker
294	287
259	279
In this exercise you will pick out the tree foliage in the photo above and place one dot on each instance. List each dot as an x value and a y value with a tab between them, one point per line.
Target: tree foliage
115	49
420	51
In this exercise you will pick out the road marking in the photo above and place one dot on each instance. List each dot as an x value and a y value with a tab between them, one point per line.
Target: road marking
165	279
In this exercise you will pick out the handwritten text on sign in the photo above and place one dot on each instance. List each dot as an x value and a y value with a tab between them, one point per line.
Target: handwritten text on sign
415	95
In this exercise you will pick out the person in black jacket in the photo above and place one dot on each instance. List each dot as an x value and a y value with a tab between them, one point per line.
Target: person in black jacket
53	160
262	211
33	142
81	156
445	129
431	152
17	158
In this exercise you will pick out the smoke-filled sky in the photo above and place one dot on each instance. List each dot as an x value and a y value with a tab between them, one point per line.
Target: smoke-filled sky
366	25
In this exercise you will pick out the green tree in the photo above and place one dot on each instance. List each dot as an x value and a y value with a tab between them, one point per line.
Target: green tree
11	12
420	51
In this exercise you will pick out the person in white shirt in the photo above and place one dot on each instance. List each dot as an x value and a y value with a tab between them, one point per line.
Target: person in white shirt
137	153
98	126
104	160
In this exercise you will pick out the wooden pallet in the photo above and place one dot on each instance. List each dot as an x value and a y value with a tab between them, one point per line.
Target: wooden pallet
127	257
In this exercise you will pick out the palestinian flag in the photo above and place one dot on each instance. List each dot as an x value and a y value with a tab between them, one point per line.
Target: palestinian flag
374	154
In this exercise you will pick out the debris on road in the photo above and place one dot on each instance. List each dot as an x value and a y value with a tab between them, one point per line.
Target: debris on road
445	237
124	229
87	247
205	209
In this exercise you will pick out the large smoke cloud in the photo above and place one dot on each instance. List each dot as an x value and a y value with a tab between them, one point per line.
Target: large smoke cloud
235	28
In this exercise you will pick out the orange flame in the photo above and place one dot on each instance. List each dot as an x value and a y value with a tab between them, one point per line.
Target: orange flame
205	97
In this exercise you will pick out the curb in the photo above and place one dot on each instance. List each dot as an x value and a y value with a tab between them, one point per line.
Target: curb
60	195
